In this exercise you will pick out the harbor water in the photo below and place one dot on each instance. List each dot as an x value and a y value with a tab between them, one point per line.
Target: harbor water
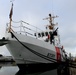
14	70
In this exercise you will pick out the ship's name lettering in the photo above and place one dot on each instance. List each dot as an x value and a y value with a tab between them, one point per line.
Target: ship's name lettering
50	55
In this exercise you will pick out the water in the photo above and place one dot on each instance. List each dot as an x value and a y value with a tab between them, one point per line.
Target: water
14	70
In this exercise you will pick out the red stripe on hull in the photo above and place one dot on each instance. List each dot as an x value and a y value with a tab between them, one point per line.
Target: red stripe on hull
58	55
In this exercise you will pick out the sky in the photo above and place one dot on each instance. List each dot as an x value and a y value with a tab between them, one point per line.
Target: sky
33	12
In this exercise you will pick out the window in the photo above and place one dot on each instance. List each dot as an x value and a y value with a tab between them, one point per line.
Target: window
34	34
39	35
46	33
42	34
50	32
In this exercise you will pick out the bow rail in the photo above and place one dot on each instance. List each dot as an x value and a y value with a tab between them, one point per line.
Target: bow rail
24	28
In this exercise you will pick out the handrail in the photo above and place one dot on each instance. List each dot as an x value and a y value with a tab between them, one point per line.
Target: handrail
30	30
32	25
27	24
25	32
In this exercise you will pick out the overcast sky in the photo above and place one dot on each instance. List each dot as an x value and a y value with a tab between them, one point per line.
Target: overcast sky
33	11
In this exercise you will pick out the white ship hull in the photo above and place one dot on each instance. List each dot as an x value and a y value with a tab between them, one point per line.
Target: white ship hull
38	53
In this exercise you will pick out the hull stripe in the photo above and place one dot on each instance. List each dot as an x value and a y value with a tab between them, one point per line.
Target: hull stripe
58	55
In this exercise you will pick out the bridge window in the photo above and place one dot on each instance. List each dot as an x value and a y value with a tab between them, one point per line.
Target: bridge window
34	34
50	32
46	33
42	34
39	35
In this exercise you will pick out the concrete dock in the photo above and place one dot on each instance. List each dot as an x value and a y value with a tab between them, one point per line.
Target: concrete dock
7	61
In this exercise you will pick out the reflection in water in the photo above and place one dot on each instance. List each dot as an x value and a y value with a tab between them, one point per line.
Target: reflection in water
13	70
9	70
54	72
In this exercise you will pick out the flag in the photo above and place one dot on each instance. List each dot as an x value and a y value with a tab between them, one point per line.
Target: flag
11	12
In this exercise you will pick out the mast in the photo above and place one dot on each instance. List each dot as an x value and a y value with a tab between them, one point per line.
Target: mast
51	21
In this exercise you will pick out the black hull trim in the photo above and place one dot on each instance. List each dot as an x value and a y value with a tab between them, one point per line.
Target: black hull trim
41	67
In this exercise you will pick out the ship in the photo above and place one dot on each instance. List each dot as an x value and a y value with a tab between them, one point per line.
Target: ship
35	50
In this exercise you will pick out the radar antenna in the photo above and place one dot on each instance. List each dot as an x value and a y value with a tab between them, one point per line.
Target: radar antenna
51	21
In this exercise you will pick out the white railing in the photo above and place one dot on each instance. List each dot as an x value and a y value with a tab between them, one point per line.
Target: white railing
25	28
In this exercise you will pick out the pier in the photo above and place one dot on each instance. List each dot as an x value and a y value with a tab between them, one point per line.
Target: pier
7	61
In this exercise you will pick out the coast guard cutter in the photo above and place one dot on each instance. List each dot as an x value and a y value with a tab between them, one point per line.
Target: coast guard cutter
33	49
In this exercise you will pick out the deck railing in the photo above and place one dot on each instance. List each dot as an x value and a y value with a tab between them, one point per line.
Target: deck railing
25	28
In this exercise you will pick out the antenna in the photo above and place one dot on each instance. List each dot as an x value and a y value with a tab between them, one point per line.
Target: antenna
51	21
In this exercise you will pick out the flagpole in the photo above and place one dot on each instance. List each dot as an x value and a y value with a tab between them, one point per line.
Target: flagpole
10	25
10	17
